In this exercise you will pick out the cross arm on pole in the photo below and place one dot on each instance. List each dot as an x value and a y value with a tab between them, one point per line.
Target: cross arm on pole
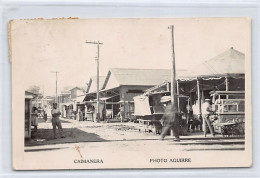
93	42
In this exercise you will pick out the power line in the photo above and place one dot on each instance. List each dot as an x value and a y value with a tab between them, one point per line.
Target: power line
56	97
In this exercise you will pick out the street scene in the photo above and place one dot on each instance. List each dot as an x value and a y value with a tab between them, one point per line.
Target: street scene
134	111
180	87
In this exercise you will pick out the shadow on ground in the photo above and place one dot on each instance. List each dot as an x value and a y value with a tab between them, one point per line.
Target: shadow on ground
72	135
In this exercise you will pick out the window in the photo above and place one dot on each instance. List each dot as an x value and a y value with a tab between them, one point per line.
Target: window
134	91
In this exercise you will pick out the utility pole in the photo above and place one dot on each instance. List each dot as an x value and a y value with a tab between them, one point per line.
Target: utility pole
173	71
56	97
97	60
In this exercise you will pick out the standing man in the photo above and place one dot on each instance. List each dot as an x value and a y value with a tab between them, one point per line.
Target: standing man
45	109
171	121
55	112
205	111
49	116
190	119
35	118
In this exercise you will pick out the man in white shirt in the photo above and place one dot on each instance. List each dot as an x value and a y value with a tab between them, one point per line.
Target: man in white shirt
55	112
205	111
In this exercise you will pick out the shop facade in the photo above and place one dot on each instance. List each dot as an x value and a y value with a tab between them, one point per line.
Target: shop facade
122	85
29	97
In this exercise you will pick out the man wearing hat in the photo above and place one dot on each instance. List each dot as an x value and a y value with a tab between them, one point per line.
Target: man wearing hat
56	120
171	122
205	111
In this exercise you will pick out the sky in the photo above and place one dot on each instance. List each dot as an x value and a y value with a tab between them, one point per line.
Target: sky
40	47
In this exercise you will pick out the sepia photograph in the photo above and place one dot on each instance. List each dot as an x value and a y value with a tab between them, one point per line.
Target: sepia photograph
131	93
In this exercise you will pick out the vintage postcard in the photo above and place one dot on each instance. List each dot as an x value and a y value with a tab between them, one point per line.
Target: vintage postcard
131	93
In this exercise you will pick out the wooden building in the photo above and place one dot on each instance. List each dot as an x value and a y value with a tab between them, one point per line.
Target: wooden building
28	111
122	84
224	73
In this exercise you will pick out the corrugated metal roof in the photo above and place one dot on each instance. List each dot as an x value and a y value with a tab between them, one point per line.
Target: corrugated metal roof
142	77
93	83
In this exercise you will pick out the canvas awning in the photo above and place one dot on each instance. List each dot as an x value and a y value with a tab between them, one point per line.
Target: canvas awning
142	106
229	63
28	97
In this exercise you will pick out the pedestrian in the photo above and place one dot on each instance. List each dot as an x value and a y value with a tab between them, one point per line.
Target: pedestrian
190	119
205	111
56	120
35	118
170	121
49	116
45	112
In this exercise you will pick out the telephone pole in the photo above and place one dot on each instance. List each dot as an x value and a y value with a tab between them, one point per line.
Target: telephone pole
173	71
56	97
97	60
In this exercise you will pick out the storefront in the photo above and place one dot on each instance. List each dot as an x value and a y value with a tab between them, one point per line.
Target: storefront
91	112
28	111
150	107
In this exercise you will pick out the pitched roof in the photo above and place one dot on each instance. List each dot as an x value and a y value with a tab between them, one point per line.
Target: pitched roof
140	77
228	62
92	85
76	88
29	94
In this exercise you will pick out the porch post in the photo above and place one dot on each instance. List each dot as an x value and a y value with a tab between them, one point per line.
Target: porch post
129	113
112	109
30	119
199	97
199	103
227	86
168	86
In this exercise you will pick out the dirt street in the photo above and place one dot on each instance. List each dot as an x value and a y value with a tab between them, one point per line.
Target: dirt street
122	135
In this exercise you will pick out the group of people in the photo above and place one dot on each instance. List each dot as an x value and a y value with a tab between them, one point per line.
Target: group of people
172	122
39	112
169	118
53	113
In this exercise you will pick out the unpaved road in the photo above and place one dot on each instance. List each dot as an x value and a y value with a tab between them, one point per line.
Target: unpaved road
123	136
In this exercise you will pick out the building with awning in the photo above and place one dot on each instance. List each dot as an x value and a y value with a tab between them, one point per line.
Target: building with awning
122	84
223	75
92	83
225	72
29	98
150	103
230	62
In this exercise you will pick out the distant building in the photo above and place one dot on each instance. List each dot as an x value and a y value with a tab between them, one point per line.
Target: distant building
76	92
64	97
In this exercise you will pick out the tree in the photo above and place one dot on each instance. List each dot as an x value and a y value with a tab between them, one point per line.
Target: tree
34	89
